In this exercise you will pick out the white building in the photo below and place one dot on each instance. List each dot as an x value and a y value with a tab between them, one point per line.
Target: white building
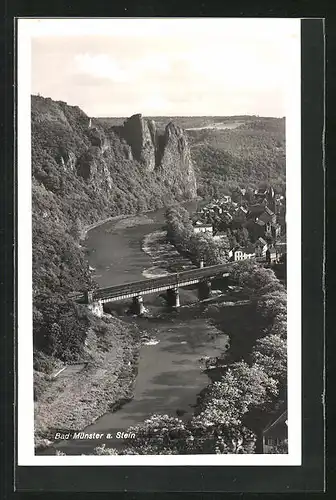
201	227
242	253
220	236
242	210
226	199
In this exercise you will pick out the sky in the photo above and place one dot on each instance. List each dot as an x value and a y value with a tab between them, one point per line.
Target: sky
172	67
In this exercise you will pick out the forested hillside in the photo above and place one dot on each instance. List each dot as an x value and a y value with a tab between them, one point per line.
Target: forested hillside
82	174
251	154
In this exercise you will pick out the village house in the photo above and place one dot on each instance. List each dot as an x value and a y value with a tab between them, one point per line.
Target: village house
242	253
271	255
281	247
267	216
279	204
225	199
255	210
256	228
201	227
260	193
217	209
243	210
276	231
220	236
239	217
265	196
260	247
227	217
272	230
275	433
239	194
264	222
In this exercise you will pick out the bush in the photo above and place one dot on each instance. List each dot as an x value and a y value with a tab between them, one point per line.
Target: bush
40	384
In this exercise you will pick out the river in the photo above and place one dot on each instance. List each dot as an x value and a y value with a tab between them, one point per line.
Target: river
170	374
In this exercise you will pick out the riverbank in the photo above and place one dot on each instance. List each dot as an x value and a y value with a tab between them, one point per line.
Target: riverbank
135	217
165	257
100	222
72	401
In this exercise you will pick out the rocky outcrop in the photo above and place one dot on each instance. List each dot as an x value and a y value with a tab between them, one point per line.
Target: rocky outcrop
167	153
68	160
127	167
93	167
96	137
140	135
175	165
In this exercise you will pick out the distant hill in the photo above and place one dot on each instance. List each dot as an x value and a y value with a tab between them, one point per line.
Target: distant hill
231	151
186	121
247	155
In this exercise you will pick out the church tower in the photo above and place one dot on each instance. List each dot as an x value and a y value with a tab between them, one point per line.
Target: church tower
271	198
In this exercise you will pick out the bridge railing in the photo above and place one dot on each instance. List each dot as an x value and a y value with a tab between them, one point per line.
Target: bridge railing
170	279
135	286
202	272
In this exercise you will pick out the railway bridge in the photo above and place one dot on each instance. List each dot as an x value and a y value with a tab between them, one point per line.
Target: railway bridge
170	284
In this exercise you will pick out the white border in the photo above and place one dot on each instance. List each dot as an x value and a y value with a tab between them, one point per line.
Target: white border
25	437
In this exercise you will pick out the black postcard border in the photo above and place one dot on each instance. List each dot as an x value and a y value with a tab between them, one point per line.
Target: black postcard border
307	478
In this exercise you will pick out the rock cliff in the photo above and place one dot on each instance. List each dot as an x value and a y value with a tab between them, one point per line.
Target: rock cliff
92	170
175	164
168	154
140	134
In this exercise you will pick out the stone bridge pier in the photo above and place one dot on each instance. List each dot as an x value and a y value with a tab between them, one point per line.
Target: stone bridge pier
173	297
204	289
138	305
88	296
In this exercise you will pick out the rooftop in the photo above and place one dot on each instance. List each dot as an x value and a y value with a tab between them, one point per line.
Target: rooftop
202	224
260	192
280	419
260	222
268	211
248	249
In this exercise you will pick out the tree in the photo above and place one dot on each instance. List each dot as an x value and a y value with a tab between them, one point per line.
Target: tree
159	435
279	326
235	440
273	306
199	246
253	277
270	353
218	425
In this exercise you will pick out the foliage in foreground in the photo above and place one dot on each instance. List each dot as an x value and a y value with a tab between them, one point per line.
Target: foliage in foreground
223	420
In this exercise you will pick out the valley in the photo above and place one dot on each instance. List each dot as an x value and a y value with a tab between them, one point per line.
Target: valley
126	172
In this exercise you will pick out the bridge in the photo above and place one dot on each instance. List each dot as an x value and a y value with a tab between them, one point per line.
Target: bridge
170	283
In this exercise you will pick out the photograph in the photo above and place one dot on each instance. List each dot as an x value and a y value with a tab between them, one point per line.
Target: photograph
159	241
